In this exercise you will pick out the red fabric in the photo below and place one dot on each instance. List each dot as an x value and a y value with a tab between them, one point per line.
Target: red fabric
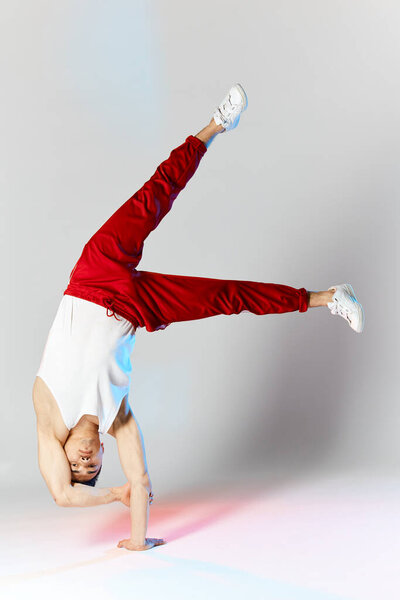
106	270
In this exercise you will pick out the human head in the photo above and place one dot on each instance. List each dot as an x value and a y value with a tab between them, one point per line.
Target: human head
85	453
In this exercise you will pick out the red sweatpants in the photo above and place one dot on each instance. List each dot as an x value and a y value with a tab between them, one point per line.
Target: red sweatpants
106	270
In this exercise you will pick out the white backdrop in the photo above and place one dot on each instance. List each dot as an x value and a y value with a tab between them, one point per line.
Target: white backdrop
304	192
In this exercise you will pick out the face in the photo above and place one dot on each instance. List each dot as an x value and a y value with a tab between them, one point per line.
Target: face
85	454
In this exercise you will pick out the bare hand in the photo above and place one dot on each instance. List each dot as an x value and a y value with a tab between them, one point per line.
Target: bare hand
149	543
123	494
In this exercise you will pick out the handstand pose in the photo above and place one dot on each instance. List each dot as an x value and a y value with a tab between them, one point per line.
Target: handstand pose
82	385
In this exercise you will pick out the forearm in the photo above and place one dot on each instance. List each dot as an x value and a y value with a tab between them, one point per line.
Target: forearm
85	495
139	509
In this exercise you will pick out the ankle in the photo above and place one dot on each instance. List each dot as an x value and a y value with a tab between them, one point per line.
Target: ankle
329	295
320	298
214	126
209	132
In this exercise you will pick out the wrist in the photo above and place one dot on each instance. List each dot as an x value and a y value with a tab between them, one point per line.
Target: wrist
138	542
114	495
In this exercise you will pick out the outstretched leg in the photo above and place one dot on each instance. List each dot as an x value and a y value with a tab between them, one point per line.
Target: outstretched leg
161	299
120	239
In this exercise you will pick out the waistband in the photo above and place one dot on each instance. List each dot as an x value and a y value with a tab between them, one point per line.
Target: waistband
108	302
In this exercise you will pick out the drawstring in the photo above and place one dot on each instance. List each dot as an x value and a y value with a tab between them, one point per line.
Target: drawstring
110	307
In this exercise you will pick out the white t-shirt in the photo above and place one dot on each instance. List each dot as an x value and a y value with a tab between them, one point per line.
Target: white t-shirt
86	361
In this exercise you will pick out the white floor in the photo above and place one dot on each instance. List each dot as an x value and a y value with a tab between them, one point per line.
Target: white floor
322	538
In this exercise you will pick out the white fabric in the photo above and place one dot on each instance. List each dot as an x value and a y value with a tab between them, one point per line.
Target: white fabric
86	361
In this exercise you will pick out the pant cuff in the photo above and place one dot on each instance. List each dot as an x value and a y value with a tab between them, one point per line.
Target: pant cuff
198	144
303	300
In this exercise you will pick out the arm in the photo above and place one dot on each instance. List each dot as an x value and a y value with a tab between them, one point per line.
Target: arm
79	494
133	462
56	471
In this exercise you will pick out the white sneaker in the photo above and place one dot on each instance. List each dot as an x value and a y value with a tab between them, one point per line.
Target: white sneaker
345	304
228	112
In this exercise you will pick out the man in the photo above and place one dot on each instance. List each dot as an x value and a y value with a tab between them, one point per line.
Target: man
82	386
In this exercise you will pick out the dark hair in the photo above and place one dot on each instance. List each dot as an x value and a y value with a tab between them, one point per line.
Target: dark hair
92	481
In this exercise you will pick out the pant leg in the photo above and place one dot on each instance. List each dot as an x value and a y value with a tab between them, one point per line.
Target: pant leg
162	299
118	244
